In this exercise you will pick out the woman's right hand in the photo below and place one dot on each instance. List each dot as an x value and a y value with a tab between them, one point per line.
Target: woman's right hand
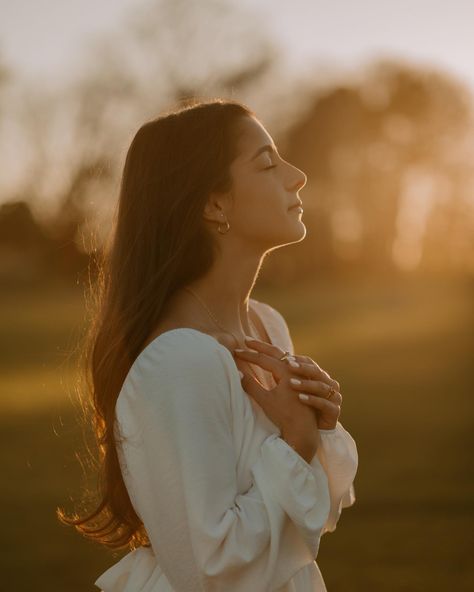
297	422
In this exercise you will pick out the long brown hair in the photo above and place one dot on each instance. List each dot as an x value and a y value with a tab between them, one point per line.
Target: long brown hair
159	244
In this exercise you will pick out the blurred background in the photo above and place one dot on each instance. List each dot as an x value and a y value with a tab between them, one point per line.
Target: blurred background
374	101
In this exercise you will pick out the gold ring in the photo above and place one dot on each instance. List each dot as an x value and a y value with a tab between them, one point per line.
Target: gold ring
285	355
332	390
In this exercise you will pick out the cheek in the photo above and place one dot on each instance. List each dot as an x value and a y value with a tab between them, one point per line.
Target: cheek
261	216
260	191
258	202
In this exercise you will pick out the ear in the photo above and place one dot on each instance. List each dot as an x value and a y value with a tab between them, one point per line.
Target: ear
215	208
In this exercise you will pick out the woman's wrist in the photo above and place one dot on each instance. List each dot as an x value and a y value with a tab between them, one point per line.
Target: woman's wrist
305	449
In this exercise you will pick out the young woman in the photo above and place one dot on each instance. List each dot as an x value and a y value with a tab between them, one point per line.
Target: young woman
212	482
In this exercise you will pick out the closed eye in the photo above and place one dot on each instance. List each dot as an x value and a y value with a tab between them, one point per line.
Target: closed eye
270	167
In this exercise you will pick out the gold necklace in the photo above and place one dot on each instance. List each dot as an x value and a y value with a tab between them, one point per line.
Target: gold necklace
221	327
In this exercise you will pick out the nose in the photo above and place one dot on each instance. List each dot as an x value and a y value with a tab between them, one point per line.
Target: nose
297	180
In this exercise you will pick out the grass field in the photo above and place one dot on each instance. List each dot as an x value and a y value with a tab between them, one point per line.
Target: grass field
403	353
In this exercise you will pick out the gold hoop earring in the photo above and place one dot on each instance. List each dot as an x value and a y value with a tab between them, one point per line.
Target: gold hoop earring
226	229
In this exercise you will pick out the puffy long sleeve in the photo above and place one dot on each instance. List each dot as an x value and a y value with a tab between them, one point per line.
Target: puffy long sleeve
177	423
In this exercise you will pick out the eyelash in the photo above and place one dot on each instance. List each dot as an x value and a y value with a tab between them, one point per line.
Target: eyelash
270	167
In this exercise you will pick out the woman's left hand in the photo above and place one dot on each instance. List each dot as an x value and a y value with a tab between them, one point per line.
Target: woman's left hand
315	382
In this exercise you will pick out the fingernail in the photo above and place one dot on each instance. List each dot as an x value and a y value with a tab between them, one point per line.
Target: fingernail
248	338
295	381
303	396
241	374
294	364
239	350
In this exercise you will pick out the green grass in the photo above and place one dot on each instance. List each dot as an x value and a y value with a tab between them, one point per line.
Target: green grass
402	352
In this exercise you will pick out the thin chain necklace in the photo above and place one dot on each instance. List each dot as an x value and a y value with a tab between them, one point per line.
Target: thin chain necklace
252	325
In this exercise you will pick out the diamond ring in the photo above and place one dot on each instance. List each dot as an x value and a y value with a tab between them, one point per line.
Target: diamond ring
285	355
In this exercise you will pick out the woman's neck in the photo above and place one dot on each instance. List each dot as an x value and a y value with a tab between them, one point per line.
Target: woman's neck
224	291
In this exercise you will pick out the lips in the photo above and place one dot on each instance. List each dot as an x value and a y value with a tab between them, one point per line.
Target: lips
296	204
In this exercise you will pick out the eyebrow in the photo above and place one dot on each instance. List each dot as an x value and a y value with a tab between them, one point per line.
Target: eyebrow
266	148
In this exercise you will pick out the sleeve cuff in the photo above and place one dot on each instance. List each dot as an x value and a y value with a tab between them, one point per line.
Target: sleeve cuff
300	488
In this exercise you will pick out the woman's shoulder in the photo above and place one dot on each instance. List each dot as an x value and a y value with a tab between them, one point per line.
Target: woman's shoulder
185	362
182	347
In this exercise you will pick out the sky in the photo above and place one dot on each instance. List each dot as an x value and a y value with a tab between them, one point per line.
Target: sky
48	42
45	39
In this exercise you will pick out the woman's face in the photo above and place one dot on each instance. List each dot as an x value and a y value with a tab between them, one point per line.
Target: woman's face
265	186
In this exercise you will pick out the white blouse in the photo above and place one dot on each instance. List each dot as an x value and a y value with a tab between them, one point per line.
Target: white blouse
227	504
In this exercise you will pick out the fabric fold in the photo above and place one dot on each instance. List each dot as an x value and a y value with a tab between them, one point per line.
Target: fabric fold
301	488
137	571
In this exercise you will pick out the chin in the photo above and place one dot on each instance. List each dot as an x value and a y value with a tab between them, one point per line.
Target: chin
297	227
300	232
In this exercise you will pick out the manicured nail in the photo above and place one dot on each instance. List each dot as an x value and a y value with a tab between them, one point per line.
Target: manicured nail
248	338
295	381
303	396
294	364
240	350
241	374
